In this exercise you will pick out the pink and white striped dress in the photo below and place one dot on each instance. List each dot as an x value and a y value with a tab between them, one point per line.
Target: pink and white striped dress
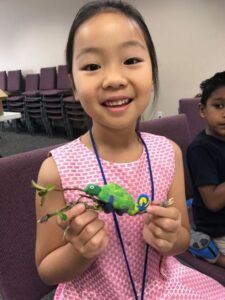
108	278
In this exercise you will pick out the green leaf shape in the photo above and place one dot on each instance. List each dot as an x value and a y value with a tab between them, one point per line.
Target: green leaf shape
62	216
39	187
50	187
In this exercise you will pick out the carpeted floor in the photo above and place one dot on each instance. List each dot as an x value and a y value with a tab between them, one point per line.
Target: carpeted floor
12	142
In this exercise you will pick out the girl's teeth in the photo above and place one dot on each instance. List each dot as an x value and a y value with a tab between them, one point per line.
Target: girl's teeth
117	102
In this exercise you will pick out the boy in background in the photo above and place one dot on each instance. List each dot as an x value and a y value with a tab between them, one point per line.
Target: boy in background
206	162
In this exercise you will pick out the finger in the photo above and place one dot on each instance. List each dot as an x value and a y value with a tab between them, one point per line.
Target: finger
90	231
159	233
95	245
148	218
72	213
79	222
159	244
166	212
166	224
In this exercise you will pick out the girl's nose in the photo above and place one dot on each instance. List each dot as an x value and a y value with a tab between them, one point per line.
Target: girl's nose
114	79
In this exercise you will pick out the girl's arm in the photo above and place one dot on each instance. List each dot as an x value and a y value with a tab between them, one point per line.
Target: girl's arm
167	229
59	259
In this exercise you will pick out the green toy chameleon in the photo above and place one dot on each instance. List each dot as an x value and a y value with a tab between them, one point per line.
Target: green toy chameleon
117	198
107	198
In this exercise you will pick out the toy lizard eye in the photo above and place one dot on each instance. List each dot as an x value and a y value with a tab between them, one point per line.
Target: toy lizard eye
92	187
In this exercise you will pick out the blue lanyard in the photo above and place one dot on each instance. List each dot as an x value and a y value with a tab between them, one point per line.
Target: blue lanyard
116	222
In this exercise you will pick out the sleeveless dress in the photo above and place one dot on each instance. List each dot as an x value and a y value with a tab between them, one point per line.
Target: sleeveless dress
107	278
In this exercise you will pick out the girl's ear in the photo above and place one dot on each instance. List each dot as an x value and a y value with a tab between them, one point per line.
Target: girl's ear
201	108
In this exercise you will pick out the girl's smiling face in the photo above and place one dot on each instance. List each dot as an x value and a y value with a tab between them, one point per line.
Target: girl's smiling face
112	70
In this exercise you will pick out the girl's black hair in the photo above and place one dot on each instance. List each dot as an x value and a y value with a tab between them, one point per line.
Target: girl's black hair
208	86
95	7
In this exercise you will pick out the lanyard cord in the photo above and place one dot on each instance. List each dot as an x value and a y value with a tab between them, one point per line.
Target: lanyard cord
116	220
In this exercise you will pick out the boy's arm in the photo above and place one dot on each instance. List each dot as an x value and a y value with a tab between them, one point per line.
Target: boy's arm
56	260
213	196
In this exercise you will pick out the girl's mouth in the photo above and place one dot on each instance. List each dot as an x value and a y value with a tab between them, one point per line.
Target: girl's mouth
116	103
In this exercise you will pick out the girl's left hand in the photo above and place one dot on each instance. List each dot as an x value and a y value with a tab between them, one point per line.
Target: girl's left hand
161	227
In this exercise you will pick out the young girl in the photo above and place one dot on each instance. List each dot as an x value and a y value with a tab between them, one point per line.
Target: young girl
112	64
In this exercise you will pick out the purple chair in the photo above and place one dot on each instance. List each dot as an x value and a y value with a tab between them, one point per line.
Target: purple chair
32	100
15	85
3	80
76	116
55	114
3	86
31	85
47	80
19	279
63	82
177	129
15	101
34	111
189	106
52	99
15	82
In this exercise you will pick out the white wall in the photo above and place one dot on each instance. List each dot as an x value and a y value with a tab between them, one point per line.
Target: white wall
189	37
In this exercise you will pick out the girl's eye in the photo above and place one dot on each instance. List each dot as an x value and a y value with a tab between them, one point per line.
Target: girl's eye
132	61
91	67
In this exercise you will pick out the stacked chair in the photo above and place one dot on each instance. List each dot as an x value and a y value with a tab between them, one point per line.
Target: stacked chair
33	109
34	105
75	114
52	99
3	86
15	101
47	100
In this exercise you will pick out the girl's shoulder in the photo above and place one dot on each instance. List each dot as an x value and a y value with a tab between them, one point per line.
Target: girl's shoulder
156	140
66	147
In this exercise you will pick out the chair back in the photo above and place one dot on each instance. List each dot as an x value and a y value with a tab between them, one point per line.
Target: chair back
15	83
32	82
175	128
3	80
48	78
19	279
63	82
189	106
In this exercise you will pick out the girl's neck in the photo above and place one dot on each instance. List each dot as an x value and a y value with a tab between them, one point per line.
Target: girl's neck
119	146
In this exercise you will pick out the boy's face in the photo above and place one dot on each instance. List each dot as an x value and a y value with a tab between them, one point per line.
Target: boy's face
214	112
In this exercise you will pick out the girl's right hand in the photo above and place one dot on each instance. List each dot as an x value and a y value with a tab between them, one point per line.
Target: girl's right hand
85	231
